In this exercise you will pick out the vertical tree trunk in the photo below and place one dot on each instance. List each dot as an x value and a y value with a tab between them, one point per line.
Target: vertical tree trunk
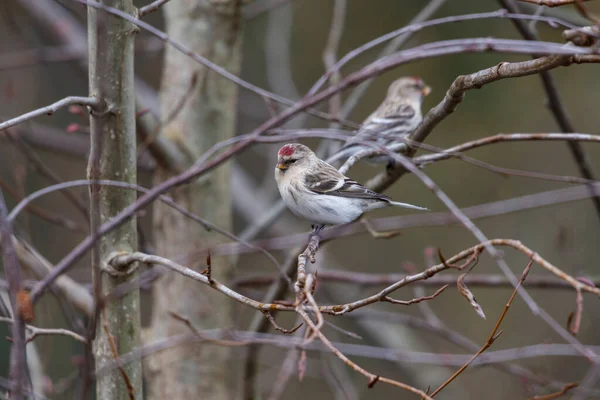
206	115
113	156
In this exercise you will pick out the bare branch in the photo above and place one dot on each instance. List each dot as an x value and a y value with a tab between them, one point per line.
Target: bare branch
330	52
576	284
203	60
493	336
365	279
74	292
502	137
372	377
418	24
556	395
418	300
167	200
455	95
557	107
35	331
279	328
121	260
155	5
52	108
574	321
553	3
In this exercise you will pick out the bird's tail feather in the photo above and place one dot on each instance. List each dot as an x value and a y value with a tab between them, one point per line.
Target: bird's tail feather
406	205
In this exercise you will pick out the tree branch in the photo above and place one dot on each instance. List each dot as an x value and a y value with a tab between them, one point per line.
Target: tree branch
92	102
557	107
455	95
35	331
155	5
553	3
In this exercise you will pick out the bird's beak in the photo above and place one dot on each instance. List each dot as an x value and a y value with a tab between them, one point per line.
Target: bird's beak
426	90
281	166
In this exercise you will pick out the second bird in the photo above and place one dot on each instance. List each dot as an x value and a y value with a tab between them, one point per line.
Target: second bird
396	117
316	191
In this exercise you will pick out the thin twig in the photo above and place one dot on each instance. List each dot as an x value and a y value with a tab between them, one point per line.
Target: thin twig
167	200
557	107
455	95
35	331
418	25
417	300
575	318
493	336
279	328
155	5
556	395
553	3
52	108
196	332
517	245
204	61
365	279
48	215
330	53
372	377
38	164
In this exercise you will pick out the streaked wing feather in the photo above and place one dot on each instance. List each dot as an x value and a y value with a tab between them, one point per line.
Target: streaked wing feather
402	111
395	121
324	181
335	184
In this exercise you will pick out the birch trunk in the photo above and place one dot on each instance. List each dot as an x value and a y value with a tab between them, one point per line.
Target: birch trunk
199	108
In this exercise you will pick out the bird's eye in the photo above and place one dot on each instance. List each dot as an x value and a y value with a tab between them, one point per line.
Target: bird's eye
292	161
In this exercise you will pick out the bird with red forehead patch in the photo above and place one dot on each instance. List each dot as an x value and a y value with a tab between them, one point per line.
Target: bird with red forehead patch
314	190
395	119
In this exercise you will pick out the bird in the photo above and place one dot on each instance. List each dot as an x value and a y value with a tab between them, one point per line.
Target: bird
396	118
314	190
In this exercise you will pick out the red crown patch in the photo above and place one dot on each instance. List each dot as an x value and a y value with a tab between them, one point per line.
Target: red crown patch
286	150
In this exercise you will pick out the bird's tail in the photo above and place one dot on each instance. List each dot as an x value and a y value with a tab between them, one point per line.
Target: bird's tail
406	205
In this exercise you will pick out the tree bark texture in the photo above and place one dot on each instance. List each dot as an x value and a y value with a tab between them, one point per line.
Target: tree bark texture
198	109
113	156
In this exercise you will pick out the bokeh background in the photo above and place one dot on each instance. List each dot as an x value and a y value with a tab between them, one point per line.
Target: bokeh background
293	35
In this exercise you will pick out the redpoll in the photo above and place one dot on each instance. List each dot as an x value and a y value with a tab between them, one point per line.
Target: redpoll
316	191
396	118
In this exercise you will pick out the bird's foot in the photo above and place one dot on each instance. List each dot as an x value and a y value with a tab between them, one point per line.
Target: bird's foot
391	166
316	231
377	234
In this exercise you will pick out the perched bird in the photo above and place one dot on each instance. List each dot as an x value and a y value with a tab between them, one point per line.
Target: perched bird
397	117
316	191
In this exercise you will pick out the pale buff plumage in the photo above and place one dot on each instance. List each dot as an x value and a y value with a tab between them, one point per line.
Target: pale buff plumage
395	118
316	191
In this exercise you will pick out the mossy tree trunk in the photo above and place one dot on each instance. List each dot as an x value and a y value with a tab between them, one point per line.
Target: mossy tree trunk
113	156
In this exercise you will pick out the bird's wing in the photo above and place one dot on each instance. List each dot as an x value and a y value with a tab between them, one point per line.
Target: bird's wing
330	182
396	120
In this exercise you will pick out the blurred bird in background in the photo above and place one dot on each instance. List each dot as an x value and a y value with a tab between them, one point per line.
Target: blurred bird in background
396	118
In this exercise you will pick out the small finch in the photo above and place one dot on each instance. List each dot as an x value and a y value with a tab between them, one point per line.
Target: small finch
316	191
395	118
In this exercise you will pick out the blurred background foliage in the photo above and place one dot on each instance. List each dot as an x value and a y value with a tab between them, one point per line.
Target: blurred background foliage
565	234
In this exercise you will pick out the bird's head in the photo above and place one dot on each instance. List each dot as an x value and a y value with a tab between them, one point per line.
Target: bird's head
409	87
293	156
